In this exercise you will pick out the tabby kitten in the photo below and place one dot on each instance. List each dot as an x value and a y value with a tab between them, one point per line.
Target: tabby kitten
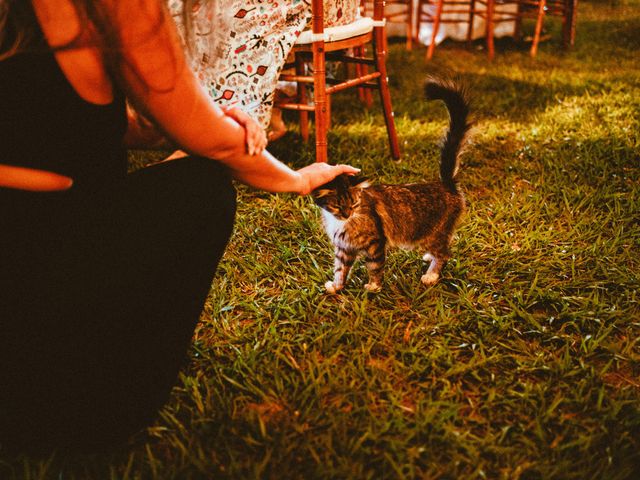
364	220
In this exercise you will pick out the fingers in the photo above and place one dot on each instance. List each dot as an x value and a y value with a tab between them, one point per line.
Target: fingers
348	169
256	136
256	139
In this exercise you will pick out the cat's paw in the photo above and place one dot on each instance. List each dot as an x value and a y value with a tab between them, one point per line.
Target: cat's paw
373	287
429	278
331	287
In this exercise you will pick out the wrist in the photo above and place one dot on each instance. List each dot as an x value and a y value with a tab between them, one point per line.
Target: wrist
302	184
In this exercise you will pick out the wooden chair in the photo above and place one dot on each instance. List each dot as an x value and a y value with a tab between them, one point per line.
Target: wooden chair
438	12
396	11
510	11
344	44
498	11
494	12
567	10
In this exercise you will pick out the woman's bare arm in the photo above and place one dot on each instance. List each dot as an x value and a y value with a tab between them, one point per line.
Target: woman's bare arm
157	76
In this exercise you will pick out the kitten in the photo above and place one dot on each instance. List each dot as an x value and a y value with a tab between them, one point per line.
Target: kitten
364	220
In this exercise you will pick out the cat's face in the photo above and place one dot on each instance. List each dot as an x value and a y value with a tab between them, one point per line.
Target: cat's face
341	196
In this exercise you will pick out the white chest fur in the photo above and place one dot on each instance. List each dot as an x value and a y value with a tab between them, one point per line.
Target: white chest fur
333	226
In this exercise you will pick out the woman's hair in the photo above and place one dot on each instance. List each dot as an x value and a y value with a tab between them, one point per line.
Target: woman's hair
19	30
17	27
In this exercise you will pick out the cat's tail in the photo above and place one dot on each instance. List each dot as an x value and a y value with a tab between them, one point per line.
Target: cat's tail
456	98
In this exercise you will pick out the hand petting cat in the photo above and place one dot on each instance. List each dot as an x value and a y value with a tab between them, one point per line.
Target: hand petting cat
310	177
317	174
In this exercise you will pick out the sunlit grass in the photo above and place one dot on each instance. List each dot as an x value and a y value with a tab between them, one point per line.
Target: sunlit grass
523	362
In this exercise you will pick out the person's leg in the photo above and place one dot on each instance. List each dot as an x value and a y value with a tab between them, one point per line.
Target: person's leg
181	216
119	282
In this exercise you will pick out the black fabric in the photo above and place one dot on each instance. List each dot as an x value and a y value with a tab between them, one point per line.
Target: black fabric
101	285
45	124
99	296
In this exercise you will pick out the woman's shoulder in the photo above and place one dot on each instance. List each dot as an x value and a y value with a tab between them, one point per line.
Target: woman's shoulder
69	34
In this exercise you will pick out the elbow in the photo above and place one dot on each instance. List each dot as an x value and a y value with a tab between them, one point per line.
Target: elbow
226	152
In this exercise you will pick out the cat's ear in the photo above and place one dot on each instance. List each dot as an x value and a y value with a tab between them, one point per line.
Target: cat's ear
358	181
321	192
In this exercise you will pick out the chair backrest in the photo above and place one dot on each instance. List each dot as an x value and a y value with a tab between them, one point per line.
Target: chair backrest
340	12
328	13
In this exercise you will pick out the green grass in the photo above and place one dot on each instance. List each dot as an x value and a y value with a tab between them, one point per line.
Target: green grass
522	363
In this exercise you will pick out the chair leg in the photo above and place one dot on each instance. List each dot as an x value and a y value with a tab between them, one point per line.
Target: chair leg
352	70
320	101
436	27
472	11
415	25
302	98
489	29
385	96
409	24
517	23
538	30
363	93
569	23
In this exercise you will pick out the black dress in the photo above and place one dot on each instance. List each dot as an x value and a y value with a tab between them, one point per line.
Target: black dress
101	285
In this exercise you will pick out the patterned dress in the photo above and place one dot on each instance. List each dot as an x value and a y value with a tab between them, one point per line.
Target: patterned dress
239	47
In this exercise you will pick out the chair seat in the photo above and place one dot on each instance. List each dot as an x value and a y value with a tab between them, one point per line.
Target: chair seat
334	34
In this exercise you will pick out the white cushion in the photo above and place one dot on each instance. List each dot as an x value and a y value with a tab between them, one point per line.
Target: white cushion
333	34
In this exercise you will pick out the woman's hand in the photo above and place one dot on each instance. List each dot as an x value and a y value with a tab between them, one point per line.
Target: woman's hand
317	174
256	136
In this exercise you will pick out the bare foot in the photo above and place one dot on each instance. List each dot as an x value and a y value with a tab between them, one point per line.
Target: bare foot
277	128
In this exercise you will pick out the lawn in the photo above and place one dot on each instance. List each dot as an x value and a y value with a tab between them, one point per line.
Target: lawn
523	362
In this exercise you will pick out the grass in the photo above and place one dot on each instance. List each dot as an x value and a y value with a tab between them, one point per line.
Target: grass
522	363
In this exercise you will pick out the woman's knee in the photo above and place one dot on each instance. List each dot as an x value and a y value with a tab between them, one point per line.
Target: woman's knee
187	196
204	182
216	188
